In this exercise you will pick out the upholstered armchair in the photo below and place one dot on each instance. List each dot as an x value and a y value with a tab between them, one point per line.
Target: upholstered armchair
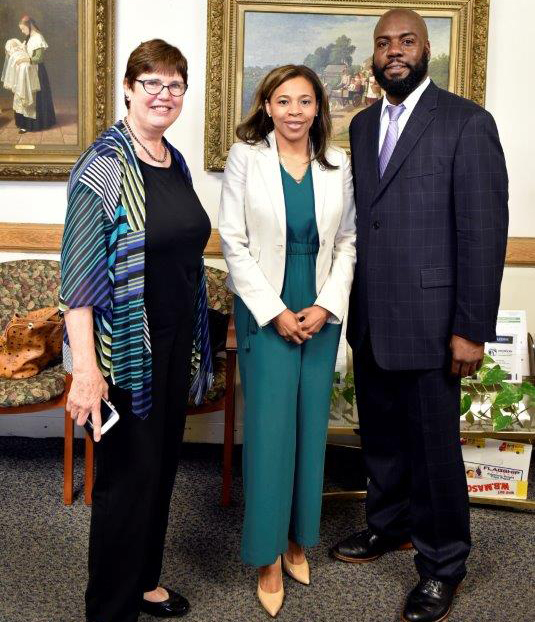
27	285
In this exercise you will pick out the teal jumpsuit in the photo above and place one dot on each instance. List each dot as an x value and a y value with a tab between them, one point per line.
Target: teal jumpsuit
287	391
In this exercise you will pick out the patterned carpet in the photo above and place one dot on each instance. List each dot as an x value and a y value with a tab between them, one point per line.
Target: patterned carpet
43	547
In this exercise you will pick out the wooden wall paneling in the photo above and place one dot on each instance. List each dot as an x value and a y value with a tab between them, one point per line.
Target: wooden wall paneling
30	237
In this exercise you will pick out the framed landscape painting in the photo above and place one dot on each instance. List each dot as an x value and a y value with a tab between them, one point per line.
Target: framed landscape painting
55	85
247	38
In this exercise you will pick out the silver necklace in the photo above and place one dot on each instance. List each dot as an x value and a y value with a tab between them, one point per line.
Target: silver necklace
145	148
283	163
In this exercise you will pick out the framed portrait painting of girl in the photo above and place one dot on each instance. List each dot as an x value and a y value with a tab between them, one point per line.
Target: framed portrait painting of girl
55	85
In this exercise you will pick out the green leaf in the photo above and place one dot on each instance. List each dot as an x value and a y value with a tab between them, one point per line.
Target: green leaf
488	360
502	422
470	417
349	379
528	389
348	394
494	376
336	379
495	412
466	403
509	394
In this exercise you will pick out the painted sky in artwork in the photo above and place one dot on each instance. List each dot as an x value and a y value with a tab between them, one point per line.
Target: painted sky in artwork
279	38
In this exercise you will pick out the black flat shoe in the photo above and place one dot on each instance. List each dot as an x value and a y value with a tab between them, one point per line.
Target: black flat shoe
365	546
175	606
429	601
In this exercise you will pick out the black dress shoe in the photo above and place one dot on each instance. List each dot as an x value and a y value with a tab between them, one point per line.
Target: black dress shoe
429	601
174	607
365	546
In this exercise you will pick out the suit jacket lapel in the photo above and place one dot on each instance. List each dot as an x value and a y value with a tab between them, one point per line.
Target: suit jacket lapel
420	118
371	145
268	163
319	181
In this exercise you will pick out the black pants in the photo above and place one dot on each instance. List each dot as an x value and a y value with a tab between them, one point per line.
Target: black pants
136	468
409	422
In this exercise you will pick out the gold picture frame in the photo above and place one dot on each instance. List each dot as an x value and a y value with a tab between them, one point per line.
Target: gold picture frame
467	21
93	93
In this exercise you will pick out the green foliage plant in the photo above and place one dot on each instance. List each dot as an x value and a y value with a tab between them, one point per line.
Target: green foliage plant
490	399
486	397
343	392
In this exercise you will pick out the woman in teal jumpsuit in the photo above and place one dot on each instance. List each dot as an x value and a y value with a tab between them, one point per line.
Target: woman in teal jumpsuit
292	284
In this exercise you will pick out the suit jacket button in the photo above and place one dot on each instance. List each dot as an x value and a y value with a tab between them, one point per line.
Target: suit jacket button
376	224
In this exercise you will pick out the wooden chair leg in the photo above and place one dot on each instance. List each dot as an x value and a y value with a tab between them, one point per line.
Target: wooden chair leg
228	444
68	443
88	470
68	459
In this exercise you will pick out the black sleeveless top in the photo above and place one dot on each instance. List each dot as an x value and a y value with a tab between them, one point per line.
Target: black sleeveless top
176	232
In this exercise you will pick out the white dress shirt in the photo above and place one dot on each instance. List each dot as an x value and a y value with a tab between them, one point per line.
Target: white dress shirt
409	103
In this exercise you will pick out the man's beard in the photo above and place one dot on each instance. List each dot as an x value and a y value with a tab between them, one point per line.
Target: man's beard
401	87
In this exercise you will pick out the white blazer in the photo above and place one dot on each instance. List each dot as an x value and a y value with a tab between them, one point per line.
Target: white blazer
252	225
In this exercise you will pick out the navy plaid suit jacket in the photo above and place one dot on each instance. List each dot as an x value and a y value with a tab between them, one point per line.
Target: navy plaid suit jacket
431	234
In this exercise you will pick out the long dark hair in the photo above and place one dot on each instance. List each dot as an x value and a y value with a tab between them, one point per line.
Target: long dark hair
30	23
258	124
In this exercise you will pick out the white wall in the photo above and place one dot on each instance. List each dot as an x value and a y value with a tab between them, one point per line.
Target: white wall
183	22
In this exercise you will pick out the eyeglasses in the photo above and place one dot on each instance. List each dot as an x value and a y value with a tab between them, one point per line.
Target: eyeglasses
155	87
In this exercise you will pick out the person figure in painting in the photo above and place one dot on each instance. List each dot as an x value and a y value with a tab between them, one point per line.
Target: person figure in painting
373	91
33	105
287	225
431	193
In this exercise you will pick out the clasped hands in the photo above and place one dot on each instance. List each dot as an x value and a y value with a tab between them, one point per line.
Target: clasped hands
300	326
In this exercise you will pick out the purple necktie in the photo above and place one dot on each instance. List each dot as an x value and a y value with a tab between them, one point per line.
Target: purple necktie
391	137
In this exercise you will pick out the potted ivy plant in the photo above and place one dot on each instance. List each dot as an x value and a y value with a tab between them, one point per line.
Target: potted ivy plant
488	401
343	396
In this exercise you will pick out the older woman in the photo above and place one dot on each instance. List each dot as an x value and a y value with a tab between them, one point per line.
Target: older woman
134	298
287	222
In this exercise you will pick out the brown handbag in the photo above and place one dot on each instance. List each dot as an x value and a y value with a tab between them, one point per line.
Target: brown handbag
30	342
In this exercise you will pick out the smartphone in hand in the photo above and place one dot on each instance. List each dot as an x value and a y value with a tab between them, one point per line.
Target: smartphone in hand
108	415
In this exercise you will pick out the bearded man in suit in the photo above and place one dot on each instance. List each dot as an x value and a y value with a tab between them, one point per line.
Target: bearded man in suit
431	193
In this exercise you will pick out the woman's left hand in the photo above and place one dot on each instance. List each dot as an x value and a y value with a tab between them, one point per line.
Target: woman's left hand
313	319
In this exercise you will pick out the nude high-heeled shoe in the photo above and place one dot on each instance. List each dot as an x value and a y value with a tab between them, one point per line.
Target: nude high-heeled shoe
271	601
299	572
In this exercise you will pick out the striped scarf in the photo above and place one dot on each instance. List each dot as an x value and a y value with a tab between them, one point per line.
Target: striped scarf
102	266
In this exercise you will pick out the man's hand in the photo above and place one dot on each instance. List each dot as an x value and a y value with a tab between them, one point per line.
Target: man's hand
289	327
312	319
466	356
